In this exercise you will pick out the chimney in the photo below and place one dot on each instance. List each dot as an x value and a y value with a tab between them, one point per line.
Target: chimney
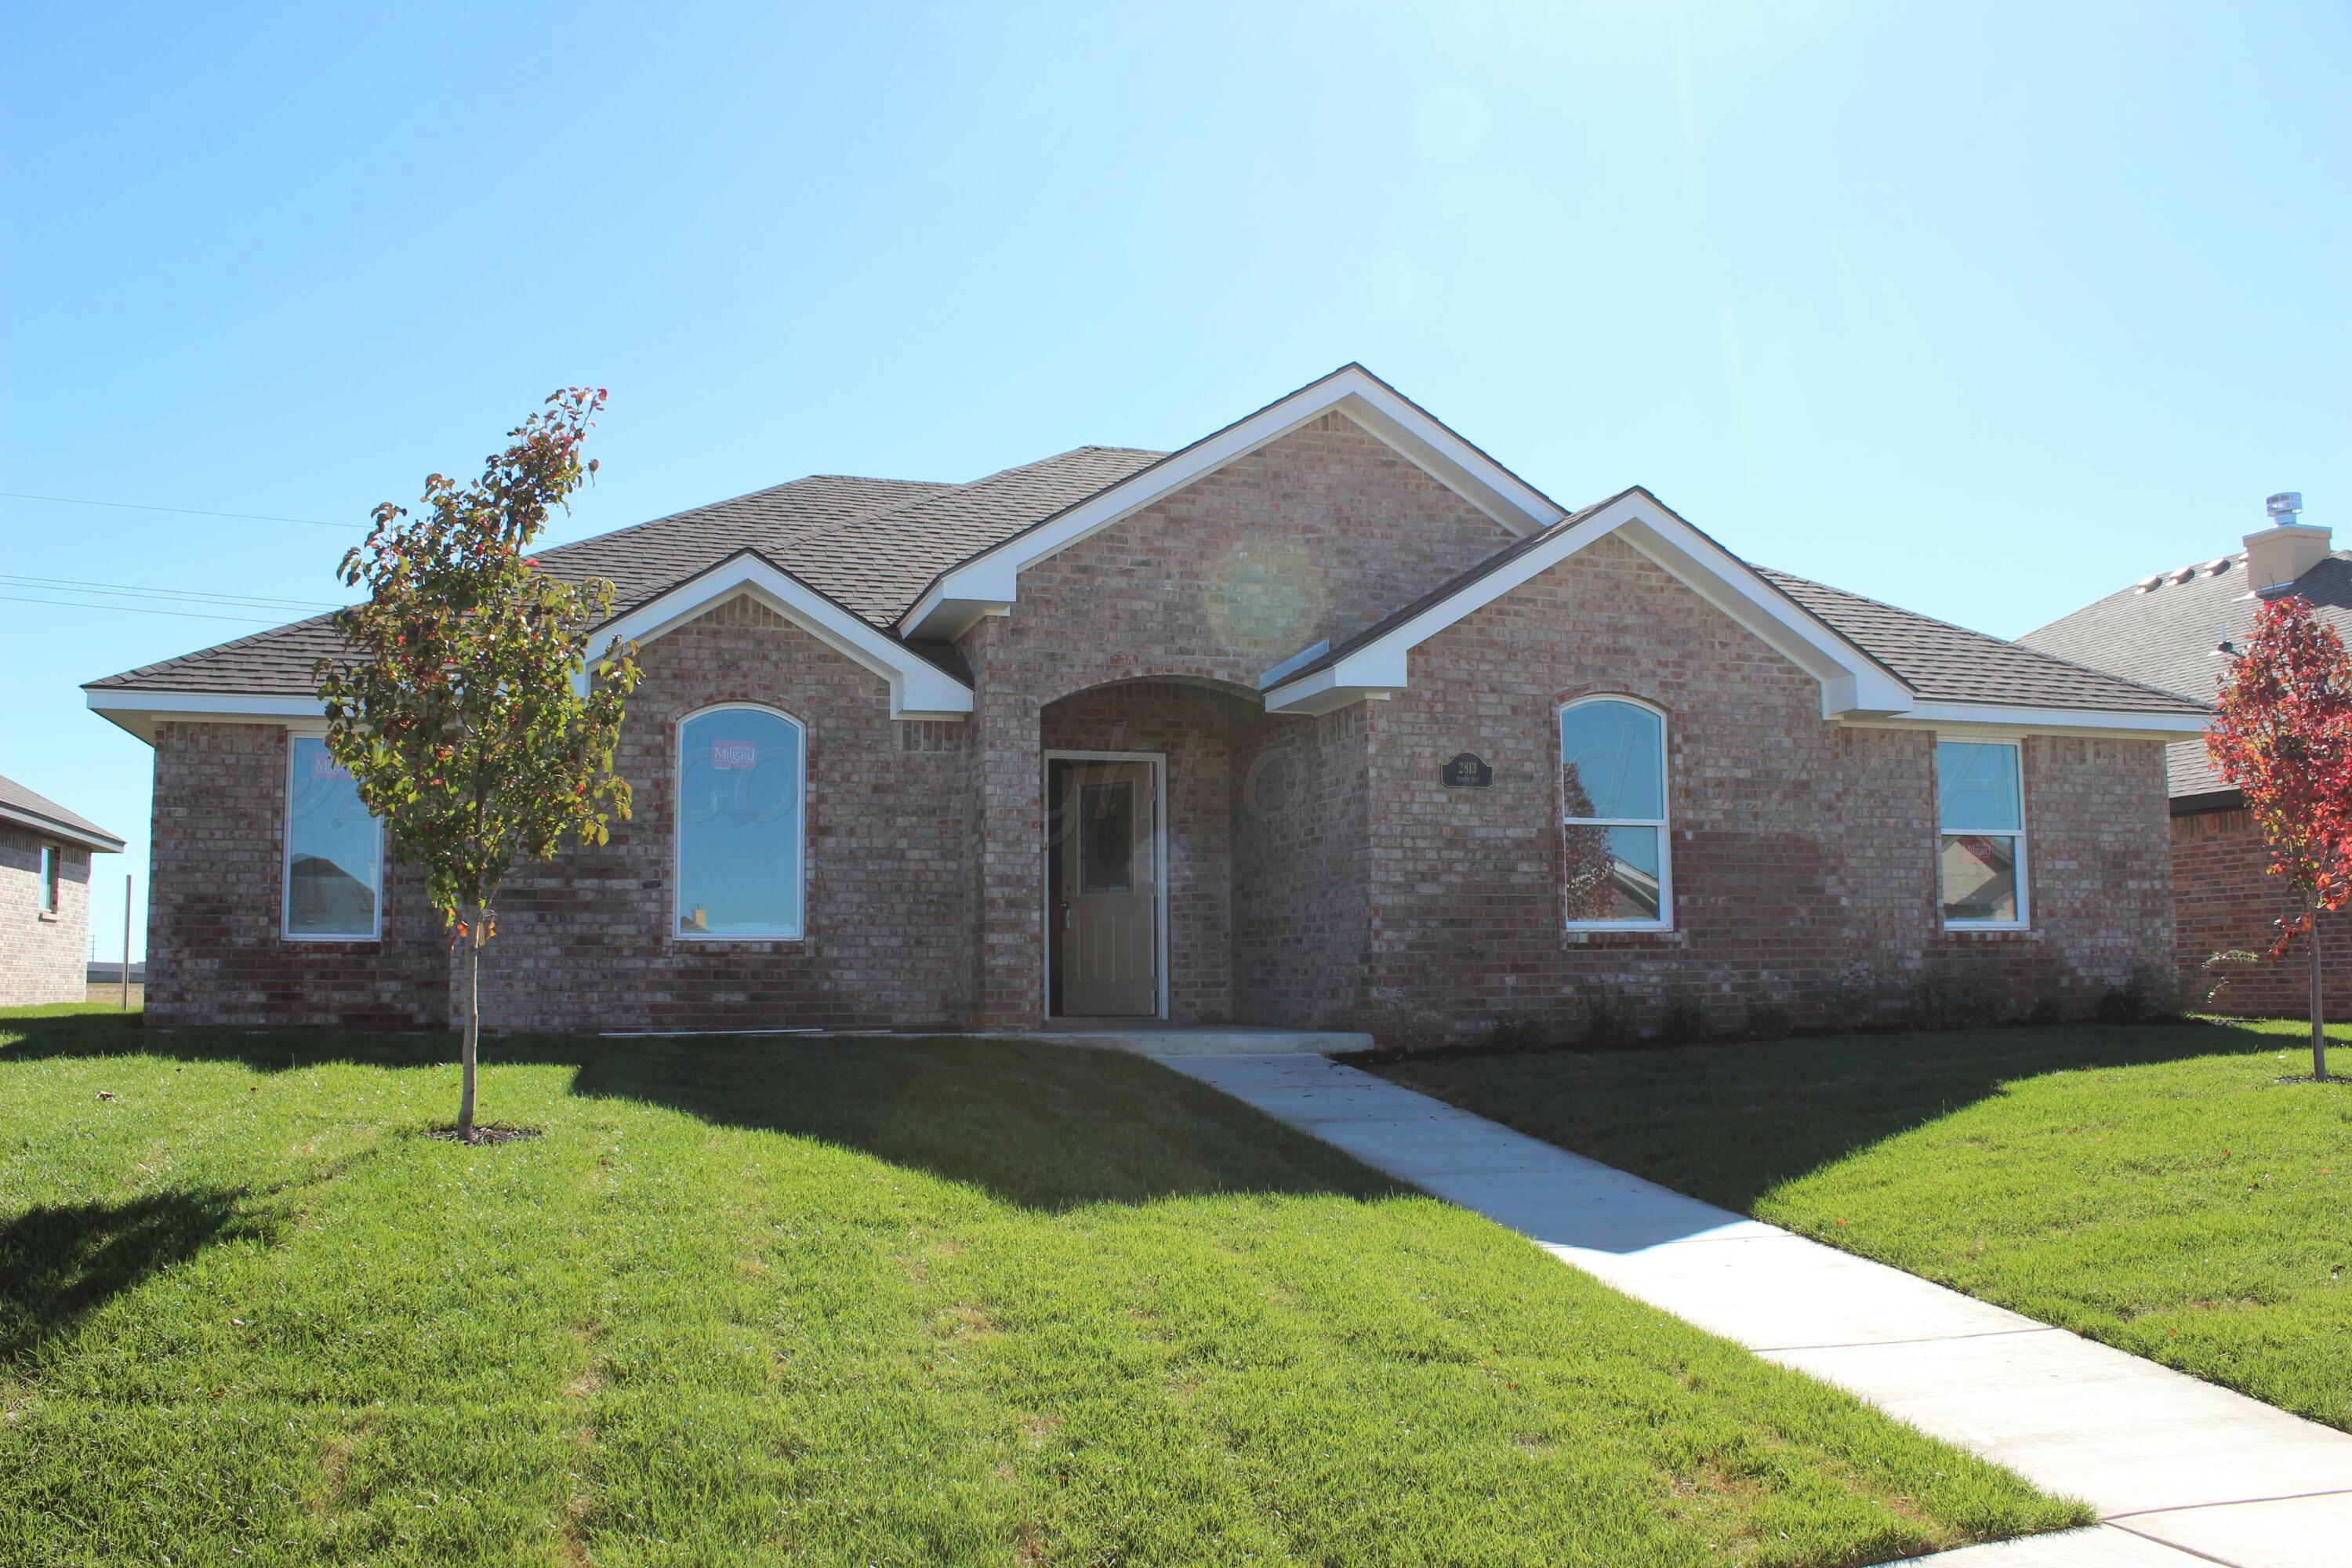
2287	549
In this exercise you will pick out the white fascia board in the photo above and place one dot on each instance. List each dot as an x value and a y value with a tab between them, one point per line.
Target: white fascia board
1850	680
918	688
139	712
2090	723
990	583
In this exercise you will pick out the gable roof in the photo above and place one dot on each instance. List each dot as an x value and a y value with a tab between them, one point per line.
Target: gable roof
25	808
911	562
1873	661
2169	631
988	582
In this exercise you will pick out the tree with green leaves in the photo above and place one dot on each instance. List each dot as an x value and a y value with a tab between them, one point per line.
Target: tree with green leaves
460	706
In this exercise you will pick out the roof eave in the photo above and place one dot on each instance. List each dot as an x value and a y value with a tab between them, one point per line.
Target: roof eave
92	837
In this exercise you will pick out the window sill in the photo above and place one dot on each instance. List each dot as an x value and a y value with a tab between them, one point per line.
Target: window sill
738	943
330	944
1994	933
47	917
1623	936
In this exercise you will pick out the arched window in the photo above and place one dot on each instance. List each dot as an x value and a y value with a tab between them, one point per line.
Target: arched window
1613	779
741	856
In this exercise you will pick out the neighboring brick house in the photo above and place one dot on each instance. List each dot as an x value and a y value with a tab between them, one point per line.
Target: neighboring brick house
45	853
2179	630
1324	716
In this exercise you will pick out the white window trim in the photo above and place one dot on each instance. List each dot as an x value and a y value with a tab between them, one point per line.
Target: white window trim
2025	920
285	930
1664	823
678	827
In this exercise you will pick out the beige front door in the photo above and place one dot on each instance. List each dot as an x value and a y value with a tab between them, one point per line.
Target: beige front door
1102	876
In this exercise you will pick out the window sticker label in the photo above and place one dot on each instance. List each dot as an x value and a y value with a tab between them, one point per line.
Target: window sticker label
734	756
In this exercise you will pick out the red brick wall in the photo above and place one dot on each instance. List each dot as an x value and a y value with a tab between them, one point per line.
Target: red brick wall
214	910
1302	841
585	939
44	956
2227	901
1314	536
1798	845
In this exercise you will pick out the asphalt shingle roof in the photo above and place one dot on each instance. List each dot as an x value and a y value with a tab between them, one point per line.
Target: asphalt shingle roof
2170	635
19	803
875	545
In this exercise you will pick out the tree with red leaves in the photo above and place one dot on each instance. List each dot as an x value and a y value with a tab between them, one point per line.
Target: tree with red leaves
2282	734
460	709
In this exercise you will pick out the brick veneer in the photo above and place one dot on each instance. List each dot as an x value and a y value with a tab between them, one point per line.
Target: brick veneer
214	954
585	941
44	956
1315	535
1798	845
2227	901
1314	863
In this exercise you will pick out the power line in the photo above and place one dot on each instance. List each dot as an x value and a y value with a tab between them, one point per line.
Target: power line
118	589
180	510
137	610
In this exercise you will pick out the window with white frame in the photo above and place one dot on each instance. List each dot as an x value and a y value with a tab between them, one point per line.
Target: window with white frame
741	855
52	860
334	850
1980	826
1613	771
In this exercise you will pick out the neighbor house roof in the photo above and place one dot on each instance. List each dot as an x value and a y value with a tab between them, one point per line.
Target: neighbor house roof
2177	629
875	549
24	808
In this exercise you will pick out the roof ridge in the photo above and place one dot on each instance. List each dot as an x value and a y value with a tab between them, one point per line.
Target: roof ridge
867	519
611	533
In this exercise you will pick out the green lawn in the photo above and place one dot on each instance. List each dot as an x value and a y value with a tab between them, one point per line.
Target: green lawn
2153	1187
879	1302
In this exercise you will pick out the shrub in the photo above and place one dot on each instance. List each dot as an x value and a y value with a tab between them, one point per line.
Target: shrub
1606	1025
2050	1007
1686	1020
1771	1019
1517	1032
1410	1017
1957	997
1850	998
2149	994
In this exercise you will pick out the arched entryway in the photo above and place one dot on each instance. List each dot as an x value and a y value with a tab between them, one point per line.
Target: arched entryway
1137	839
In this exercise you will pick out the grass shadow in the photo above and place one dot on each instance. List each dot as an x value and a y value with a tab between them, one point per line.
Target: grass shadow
1730	1122
1045	1126
60	1262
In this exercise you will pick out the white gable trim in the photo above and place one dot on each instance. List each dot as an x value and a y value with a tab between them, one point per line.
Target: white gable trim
1851	681
990	583
140	712
918	688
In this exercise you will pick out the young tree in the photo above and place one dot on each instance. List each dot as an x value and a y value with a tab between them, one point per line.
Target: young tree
2282	734
455	706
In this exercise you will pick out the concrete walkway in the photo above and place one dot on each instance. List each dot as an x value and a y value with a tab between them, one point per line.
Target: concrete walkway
2182	1472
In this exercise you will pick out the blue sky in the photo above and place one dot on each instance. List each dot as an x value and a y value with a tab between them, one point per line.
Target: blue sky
1985	310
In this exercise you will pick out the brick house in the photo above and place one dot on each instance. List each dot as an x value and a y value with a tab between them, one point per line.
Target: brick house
45	859
2178	630
1325	713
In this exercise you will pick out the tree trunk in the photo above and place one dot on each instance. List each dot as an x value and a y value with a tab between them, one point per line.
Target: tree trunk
474	1028
2318	1022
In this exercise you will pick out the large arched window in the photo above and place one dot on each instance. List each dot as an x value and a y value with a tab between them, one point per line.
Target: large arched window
741	855
1613	778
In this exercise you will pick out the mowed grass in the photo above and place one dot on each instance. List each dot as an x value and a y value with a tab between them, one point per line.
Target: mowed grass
888	1301
2153	1187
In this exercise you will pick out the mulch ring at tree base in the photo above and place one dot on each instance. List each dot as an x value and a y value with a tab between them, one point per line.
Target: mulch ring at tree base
486	1132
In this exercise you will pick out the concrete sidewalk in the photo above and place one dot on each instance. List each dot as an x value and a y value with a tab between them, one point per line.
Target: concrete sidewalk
2182	1472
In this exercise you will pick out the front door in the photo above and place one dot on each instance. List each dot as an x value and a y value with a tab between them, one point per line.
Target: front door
1103	888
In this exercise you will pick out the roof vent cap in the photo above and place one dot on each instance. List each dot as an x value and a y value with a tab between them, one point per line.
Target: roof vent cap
2285	507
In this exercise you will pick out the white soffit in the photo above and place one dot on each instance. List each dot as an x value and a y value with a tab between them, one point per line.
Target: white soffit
918	688
989	583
